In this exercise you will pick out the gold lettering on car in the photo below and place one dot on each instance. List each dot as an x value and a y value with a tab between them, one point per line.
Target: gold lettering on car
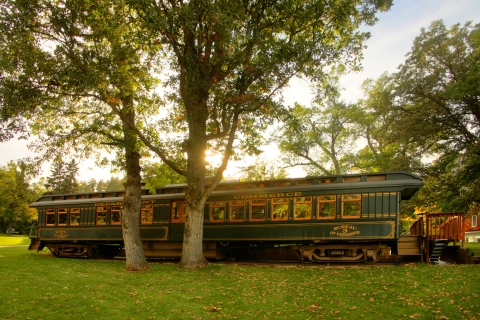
345	230
119	203
61	234
268	195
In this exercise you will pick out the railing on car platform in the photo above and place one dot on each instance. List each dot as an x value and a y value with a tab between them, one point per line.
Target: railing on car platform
443	225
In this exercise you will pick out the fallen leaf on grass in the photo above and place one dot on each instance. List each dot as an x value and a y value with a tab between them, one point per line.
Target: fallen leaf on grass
312	307
213	309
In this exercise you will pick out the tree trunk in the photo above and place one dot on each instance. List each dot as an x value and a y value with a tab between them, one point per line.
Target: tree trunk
135	256
192	253
9	229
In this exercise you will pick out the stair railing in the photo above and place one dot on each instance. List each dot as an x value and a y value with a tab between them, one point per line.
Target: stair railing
441	225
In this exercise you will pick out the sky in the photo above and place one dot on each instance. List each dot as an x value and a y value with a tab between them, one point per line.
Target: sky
391	39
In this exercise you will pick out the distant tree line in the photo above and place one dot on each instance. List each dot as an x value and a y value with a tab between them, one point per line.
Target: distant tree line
63	179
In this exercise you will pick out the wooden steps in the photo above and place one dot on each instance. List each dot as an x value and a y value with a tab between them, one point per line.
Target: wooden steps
436	249
409	245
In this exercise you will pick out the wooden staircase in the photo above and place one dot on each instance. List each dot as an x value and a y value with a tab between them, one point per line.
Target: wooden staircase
436	249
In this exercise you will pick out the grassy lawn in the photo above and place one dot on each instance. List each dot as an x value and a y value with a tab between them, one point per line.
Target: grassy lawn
39	286
13	240
473	247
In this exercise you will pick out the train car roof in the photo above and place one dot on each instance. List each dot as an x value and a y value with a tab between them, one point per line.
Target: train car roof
405	182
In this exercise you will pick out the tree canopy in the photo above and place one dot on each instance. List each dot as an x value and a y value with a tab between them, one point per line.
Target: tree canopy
438	95
77	72
15	196
378	123
423	119
321	137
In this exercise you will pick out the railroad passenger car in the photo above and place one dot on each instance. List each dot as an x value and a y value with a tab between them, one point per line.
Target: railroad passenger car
330	218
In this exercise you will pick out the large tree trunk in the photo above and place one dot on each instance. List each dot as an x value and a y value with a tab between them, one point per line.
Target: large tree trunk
192	254
135	257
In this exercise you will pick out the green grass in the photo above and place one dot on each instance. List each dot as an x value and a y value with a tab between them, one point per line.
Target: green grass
473	247
39	286
13	240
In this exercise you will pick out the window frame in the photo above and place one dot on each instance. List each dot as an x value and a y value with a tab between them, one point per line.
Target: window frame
344	201
101	209
295	203
322	201
236	204
51	213
114	209
281	202
63	212
146	208
73	211
216	205
181	213
474	221
264	205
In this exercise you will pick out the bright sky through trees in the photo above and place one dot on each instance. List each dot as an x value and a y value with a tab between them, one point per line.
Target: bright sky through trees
391	38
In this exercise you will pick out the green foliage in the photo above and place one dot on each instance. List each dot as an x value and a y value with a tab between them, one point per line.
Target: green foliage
262	170
387	147
91	77
157	175
154	175
15	195
62	178
321	138
115	183
230	60
437	91
87	186
92	185
39	286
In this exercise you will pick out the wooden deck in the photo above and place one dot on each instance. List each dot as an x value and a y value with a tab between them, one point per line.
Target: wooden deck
449	226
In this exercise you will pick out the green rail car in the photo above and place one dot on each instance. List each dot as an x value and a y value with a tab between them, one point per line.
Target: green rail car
331	218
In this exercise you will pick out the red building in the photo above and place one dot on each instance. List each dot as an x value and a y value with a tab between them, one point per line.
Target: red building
472	227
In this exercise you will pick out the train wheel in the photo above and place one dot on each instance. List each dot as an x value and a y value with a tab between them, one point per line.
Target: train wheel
373	257
93	253
371	261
